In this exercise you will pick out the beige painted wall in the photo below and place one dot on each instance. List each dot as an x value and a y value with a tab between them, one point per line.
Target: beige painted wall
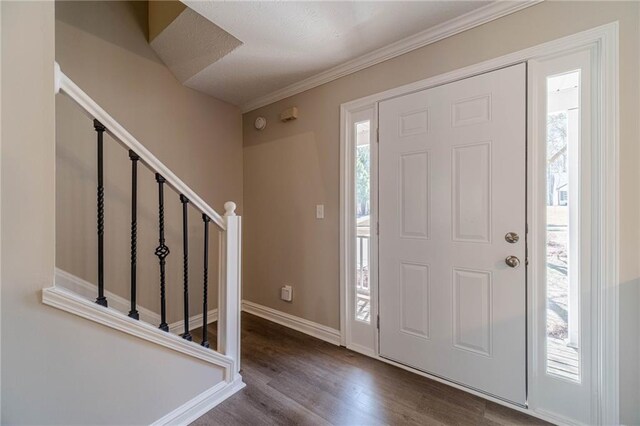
291	167
58	368
102	46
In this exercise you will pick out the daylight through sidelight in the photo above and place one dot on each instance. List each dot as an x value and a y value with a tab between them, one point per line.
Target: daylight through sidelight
562	201
363	220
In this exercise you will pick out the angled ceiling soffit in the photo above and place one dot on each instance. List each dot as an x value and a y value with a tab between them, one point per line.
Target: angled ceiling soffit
191	43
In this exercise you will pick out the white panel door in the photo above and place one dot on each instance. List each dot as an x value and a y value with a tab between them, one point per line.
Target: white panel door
451	186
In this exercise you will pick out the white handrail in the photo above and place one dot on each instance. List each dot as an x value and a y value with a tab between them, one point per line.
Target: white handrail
120	134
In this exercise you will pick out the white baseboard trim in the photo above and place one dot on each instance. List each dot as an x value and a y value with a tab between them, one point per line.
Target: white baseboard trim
194	322
198	406
68	301
302	325
89	290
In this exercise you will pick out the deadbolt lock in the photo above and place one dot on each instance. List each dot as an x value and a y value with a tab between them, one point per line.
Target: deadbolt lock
511	237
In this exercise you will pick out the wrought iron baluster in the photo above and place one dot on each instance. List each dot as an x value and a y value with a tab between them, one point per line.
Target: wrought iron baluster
206	221
162	251
133	313
100	129
185	244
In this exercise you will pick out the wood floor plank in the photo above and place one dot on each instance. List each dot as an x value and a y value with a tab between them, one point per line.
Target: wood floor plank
260	404
295	379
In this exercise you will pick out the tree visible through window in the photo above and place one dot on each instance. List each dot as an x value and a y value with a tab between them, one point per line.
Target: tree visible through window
363	167
556	151
562	280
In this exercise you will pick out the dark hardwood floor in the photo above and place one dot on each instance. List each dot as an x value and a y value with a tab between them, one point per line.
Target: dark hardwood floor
294	379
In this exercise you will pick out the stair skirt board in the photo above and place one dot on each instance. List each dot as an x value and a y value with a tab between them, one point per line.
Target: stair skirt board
66	300
198	406
89	290
302	325
195	321
74	295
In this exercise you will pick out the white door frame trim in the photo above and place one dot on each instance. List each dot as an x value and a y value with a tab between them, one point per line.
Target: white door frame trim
604	41
348	230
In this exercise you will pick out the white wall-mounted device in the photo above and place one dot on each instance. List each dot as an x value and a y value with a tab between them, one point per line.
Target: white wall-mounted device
286	293
289	114
260	123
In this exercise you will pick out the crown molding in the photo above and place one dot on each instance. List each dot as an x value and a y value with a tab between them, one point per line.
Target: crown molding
454	26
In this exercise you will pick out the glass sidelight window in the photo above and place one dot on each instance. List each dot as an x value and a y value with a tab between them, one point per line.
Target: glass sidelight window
562	225
362	192
359	224
565	195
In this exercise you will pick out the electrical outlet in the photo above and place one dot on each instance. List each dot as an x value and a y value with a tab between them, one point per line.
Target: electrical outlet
319	211
286	293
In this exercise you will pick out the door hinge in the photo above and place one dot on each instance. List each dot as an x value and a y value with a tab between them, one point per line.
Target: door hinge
378	134
378	322
377	228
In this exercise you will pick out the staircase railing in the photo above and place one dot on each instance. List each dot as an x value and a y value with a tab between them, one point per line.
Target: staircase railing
229	225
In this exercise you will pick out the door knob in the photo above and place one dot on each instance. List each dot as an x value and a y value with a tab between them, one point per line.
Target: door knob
511	237
512	261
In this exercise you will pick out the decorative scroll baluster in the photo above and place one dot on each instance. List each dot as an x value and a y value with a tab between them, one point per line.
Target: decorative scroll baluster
162	251
100	129
206	221
133	313
185	244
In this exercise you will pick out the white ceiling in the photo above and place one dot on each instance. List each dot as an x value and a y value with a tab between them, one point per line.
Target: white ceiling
282	42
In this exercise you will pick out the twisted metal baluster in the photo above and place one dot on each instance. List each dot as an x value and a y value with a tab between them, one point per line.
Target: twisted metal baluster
133	313
162	251
185	243
206	221
100	129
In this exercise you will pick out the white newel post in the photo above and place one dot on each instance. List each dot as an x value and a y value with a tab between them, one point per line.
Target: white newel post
229	287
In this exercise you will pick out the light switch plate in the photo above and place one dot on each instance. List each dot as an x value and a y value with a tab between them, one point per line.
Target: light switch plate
320	211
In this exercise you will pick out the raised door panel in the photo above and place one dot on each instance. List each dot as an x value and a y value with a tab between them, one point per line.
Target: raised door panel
470	111
414	299
413	122
472	310
471	192
414	192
